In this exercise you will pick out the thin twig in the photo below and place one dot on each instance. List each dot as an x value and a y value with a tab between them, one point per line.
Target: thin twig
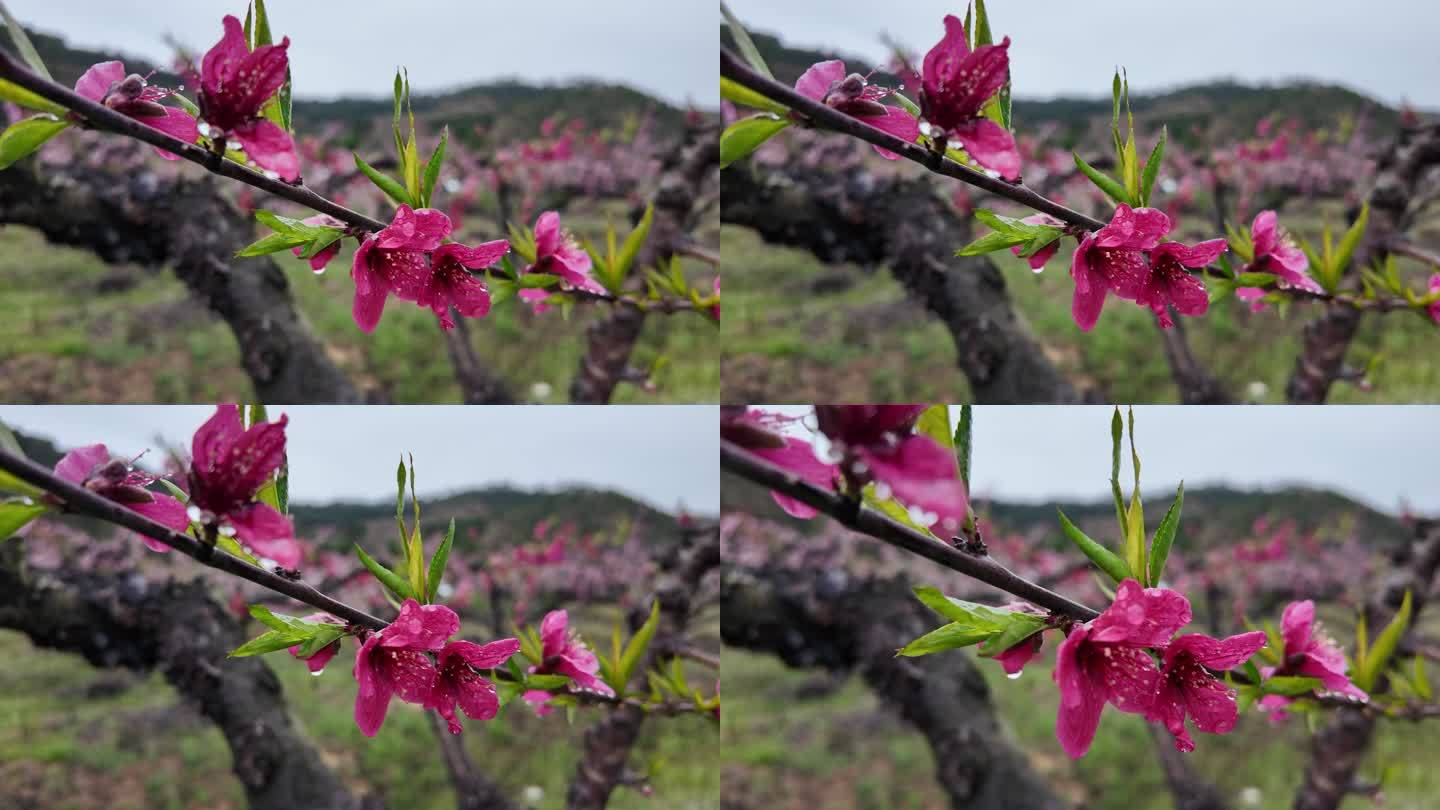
870	522
821	114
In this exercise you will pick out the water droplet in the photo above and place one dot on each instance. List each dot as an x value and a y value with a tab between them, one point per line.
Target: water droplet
319	271
226	530
193	512
317	673
1015	676
882	490
1038	270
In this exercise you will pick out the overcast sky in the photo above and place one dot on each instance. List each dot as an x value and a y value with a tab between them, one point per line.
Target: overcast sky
665	456
1382	455
1387	48
665	47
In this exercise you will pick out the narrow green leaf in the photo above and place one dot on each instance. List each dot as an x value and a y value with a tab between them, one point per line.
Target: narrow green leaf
15	94
1103	181
437	563
273	243
415	564
432	168
388	578
1117	438
23	137
384	182
745	44
737	93
1116	568
959	610
1291	686
14	515
635	649
1020	627
1350	241
630	248
23	46
962	443
1165	537
745	136
1378	658
273	641
934	422
990	243
1152	166
947	637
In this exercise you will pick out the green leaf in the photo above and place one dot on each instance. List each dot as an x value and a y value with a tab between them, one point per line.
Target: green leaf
1380	653
1152	166
1350	241
437	563
14	515
546	682
1105	559
15	94
432	168
959	610
325	635
742	95
1103	181
415	563
745	44
279	621
272	641
635	649
1021	627
1291	686
384	182
892	509
273	243
1421	679
991	242
947	637
745	136
23	137
1117	438
630	248
1165	536
388	578
23	46
962	444
934	422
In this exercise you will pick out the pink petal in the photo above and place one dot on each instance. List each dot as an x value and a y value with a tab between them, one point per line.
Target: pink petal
372	697
1296	622
270	147
553	630
1211	705
1264	233
942	60
96	81
177	124
1168	709
219	62
76	465
1128	676
476	696
1142	617
923	474
1014	659
547	234
317	662
1215	653
1200	255
370	289
268	533
479	257
990	145
421	627
1090	287
412	672
166	511
481	656
258	76
218	432
1081	700
1039	258
798	456
1134	228
815	82
415	230
897	122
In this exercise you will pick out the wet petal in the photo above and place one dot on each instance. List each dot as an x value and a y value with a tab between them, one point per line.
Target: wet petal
815	82
95	82
270	147
990	145
76	465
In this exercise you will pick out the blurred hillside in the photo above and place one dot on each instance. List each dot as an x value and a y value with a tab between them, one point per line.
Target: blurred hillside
1212	516
1231	107
506	109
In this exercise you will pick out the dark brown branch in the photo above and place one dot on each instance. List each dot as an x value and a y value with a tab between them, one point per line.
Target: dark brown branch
900	223
187	225
473	789
731	67
608	743
1197	385
814	619
178	629
80	500
867	521
1337	750
611	340
1190	790
1326	340
478	385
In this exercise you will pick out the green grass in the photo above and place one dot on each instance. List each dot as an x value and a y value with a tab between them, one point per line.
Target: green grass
63	340
785	342
142	749
850	750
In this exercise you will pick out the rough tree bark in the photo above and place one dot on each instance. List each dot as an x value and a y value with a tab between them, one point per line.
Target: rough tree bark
153	220
1326	339
826	619
862	217
607	744
125	621
1337	750
610	340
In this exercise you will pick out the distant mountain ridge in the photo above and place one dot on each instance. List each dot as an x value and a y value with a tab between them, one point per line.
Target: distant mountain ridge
507	108
1238	107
